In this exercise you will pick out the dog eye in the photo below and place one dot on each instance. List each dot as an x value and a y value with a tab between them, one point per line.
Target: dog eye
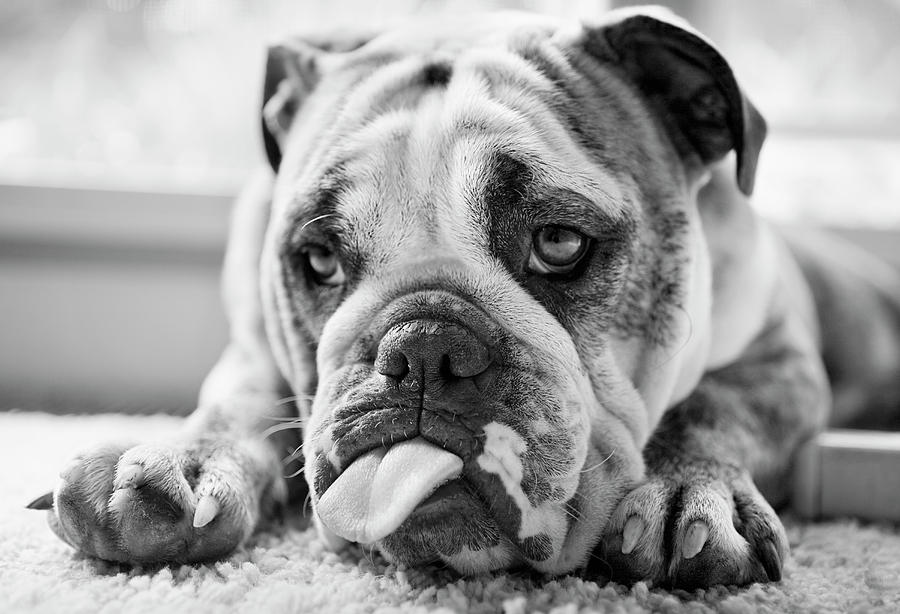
556	250
324	266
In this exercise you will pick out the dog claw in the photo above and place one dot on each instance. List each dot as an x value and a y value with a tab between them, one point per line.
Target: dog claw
207	510
771	560
130	476
694	539
44	502
634	528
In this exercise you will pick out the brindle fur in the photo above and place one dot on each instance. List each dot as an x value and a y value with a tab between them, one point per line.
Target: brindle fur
666	386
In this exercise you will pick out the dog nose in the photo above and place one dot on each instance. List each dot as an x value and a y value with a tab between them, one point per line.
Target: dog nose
428	354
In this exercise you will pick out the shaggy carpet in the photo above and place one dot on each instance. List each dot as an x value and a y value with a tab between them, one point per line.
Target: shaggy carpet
836	566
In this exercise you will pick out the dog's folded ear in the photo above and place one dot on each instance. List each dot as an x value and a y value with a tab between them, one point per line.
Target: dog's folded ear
293	69
687	83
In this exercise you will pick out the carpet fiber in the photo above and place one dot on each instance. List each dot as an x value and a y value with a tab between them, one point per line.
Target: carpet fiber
836	566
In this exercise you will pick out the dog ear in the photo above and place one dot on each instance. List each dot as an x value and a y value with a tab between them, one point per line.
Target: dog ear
293	69
688	84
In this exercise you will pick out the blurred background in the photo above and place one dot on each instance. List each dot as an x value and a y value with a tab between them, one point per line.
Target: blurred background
126	127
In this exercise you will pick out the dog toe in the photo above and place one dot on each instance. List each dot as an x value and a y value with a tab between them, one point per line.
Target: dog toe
759	525
694	535
152	504
633	547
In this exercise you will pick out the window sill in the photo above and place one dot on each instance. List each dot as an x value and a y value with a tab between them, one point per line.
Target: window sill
71	211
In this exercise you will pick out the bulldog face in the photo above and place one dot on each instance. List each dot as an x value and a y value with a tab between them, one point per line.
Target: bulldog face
482	264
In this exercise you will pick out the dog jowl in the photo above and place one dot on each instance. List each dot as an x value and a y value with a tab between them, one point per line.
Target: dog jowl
508	269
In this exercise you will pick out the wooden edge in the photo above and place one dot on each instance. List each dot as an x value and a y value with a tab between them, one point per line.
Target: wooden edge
849	473
807	499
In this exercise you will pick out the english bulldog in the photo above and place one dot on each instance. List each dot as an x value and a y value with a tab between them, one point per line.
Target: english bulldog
504	283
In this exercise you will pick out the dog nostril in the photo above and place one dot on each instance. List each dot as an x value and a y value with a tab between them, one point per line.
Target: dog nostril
433	352
392	364
469	361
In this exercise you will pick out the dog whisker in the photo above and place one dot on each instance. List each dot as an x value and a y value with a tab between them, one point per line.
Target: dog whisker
571	512
295	455
681	348
282	418
598	465
295	474
285	426
295	397
317	219
603	562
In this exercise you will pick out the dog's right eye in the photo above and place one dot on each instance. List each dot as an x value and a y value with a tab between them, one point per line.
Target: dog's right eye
557	250
323	265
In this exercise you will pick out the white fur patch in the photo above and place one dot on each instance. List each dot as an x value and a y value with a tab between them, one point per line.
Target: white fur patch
503	449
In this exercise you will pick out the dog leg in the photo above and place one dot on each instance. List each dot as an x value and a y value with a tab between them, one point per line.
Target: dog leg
700	519
200	496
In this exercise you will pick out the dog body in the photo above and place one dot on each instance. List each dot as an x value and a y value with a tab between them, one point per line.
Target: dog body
512	284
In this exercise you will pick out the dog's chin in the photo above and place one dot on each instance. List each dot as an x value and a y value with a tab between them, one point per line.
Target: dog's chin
451	527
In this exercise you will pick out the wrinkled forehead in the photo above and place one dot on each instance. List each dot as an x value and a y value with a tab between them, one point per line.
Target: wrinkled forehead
428	140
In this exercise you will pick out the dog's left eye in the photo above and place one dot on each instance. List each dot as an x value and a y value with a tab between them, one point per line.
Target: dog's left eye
324	266
556	250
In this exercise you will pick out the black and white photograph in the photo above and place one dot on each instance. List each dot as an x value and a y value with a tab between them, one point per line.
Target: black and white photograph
414	306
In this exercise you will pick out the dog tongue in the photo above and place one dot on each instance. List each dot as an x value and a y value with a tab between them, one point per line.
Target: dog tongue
380	489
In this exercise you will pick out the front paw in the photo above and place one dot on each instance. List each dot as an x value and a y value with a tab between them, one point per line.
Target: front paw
700	529
154	504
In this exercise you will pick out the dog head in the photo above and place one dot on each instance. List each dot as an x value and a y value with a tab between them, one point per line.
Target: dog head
484	264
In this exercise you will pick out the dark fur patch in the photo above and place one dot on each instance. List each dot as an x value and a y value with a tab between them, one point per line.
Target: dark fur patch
318	221
538	547
504	196
325	474
437	74
654	290
641	260
516	205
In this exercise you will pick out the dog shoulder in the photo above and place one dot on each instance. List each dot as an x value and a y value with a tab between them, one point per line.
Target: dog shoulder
753	274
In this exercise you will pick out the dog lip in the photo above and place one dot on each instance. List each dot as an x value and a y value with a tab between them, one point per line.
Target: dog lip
451	519
393	420
453	501
363	407
437	502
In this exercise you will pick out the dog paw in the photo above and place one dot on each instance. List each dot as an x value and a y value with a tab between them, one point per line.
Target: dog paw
154	504
694	533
